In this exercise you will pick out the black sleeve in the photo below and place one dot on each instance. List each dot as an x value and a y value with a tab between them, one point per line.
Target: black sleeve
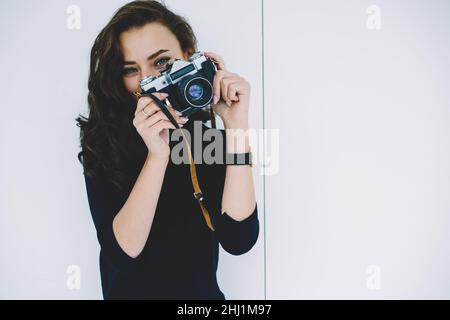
105	202
235	237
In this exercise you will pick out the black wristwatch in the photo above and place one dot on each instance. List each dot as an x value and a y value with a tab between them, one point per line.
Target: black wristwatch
239	159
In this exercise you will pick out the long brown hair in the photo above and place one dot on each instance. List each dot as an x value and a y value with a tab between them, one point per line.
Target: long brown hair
109	141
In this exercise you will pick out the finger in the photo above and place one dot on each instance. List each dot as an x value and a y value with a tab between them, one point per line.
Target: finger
145	101
216	85
234	88
161	125
141	117
217	58
149	105
142	103
161	95
146	123
177	115
149	110
224	84
154	119
159	115
150	122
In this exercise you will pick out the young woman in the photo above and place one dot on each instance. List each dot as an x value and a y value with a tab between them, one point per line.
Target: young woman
155	243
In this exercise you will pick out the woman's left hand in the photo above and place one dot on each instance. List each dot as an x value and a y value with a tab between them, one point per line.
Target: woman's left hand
231	95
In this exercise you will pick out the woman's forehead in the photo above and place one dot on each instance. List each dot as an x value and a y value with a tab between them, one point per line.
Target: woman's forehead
139	43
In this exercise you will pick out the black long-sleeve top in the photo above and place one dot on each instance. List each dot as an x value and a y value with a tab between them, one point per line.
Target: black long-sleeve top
179	260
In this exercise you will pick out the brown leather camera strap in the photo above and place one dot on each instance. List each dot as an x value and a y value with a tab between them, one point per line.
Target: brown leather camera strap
197	191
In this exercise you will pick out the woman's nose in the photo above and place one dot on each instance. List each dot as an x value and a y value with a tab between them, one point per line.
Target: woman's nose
148	72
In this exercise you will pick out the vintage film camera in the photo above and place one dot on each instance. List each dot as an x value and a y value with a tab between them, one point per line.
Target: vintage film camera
188	83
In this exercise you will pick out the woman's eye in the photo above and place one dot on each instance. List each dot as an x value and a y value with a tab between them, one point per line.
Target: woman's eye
164	60
129	71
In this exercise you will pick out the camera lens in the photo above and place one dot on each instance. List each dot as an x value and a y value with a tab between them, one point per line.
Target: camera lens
195	91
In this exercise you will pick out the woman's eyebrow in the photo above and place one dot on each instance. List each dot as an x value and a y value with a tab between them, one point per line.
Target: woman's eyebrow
150	57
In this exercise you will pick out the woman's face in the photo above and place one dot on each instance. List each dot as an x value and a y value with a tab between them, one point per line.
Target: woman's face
146	51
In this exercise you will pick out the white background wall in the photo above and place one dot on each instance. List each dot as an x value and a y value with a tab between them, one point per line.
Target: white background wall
362	115
364	174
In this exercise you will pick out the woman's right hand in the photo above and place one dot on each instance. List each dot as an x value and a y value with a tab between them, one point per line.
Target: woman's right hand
154	129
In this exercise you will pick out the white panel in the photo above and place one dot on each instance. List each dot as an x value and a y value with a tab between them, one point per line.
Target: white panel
364	173
45	223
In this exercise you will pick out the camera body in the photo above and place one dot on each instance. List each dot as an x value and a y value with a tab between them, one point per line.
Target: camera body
189	84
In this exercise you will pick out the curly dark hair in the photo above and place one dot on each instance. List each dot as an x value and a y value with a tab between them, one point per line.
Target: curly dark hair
109	141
